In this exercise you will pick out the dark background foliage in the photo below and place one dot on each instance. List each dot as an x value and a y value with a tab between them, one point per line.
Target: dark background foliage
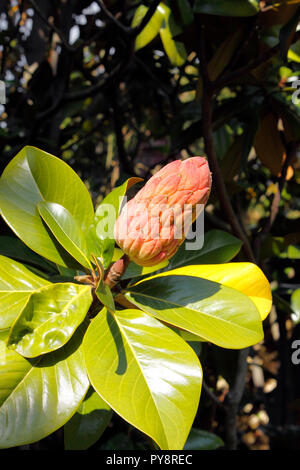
77	88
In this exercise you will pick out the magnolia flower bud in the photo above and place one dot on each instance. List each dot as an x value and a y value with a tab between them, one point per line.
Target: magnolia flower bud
153	224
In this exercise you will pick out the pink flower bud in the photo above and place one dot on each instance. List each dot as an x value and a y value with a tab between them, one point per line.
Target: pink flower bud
153	224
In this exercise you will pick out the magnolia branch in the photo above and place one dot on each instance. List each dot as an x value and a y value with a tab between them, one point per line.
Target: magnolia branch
211	155
130	32
236	392
291	149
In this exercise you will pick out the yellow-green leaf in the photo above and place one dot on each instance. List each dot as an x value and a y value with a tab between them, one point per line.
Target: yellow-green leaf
17	283
146	373
244	277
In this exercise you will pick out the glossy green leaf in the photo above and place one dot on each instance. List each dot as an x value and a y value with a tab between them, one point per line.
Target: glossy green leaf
134	270
66	230
14	248
100	236
203	440
105	296
218	247
17	283
219	314
151	30
227	8
187	336
244	277
146	373
175	50
49	318
38	396
34	176
88	423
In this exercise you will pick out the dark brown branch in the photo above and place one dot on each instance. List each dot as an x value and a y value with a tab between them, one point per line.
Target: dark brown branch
52	26
112	18
212	396
117	114
212	158
233	399
235	393
291	150
129	32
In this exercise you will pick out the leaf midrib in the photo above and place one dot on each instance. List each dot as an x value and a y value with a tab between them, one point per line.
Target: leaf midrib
140	367
193	310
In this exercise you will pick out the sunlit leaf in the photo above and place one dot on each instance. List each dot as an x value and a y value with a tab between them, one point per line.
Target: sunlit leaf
38	396
49	318
34	176
243	277
215	312
146	373
66	230
17	283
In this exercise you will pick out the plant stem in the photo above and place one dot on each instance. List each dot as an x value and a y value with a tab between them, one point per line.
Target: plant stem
233	400
116	271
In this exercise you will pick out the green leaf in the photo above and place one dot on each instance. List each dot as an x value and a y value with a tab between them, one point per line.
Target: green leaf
175	50
203	440
295	305
49	318
88	423
134	270
285	33
100	236
152	28
38	396
16	285
218	247
34	176
293	251
66	230
105	296
146	373
14	248
228	8
219	314
185	11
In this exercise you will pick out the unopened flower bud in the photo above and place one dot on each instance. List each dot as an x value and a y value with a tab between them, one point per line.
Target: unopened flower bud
152	225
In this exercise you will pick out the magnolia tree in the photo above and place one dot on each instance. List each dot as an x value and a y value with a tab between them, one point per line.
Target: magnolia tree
88	328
